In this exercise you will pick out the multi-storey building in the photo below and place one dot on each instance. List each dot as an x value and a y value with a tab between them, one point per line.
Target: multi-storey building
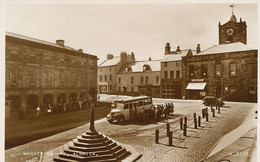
108	70
171	71
139	78
40	73
227	70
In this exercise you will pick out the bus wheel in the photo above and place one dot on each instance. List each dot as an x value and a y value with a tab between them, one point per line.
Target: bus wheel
121	119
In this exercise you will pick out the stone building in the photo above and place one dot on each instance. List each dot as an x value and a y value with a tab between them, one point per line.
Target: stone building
45	74
139	78
108	70
227	70
171	71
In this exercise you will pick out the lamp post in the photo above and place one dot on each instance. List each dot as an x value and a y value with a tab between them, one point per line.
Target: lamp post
93	93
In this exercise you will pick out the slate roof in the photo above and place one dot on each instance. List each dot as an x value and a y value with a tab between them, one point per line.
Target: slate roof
225	48
137	66
37	40
176	56
110	62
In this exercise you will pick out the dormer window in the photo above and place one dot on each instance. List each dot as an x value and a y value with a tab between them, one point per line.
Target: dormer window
128	69
146	68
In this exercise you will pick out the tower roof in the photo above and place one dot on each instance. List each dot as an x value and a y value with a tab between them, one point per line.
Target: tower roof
233	18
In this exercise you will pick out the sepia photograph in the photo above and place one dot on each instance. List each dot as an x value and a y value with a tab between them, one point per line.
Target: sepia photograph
131	81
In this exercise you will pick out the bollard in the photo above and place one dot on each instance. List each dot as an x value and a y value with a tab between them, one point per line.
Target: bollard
157	136
181	123
213	112
199	121
211	109
194	115
170	138
184	129
202	113
168	129
185	120
207	117
219	109
195	122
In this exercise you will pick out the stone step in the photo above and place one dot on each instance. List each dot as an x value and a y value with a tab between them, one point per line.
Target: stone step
91	145
97	136
91	133
84	140
91	149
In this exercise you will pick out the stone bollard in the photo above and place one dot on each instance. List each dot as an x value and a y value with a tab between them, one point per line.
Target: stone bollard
170	138
213	113
168	129
184	129
185	120
211	109
207	117
157	136
219	109
181	123
194	115
203	113
195	122
199	120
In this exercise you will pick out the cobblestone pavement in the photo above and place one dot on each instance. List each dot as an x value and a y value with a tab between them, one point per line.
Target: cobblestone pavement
198	142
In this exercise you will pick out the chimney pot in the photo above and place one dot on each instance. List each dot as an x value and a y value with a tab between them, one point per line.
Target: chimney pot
178	49
60	42
80	50
198	49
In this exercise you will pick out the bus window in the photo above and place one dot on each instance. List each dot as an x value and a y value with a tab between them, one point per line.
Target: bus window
130	106
126	106
140	103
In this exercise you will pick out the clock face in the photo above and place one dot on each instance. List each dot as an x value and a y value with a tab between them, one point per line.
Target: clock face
230	31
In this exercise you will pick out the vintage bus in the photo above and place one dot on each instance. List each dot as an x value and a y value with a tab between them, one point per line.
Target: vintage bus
136	108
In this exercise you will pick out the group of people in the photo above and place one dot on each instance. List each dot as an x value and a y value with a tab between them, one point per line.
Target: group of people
163	110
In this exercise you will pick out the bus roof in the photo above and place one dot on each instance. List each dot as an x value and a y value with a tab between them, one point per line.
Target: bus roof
134	99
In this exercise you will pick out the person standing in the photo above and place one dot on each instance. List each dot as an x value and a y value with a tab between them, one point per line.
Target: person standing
38	112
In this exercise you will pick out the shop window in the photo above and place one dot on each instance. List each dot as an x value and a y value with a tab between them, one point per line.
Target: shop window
218	70
233	69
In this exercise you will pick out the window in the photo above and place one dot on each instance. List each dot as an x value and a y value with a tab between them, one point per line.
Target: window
110	68
204	70
31	77
157	79
132	80
171	74
166	75
110	77
218	70
142	80
132	88
126	106
100	69
13	76
105	77
165	64
110	86
191	70
178	74
253	72
119	80
178	63
146	80
233	69
100	78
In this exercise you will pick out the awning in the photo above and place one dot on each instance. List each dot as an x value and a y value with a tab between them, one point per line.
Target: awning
102	83
196	86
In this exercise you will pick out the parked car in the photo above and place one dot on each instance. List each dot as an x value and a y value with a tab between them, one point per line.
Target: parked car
212	101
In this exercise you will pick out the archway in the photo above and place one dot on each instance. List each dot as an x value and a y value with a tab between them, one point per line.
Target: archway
32	102
61	101
15	102
48	100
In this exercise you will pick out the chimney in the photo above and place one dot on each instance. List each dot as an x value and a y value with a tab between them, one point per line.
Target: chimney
123	57
178	49
167	48
80	50
110	56
150	59
60	42
198	49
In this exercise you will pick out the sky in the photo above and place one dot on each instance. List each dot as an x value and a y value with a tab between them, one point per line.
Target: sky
144	29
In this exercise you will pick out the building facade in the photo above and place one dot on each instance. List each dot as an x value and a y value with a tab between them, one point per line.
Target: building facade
45	74
139	78
171	71
227	70
108	70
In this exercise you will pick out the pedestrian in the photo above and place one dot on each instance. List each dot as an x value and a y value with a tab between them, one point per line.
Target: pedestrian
38	112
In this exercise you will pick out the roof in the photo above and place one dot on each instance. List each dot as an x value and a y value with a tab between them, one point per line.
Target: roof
225	48
233	18
177	56
110	62
37	41
137	66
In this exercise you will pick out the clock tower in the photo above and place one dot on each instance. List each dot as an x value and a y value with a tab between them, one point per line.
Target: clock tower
232	31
